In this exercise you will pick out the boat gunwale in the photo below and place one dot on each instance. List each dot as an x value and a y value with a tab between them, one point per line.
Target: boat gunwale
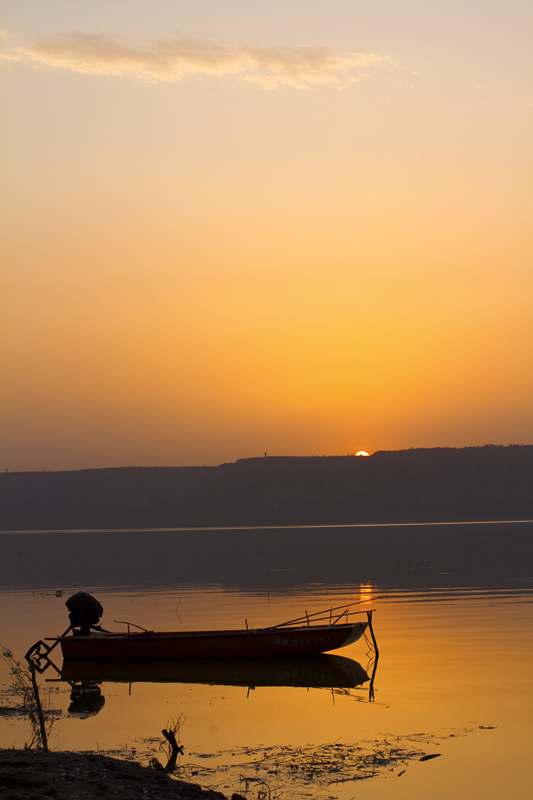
149	635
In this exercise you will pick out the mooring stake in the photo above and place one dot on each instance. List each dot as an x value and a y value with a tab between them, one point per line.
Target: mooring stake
374	642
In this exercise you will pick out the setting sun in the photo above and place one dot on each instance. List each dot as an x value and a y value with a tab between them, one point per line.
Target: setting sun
285	229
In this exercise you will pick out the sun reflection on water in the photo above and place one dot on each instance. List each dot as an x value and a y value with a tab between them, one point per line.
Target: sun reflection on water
365	592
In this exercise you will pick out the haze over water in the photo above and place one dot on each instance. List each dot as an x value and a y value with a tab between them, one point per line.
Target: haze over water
453	618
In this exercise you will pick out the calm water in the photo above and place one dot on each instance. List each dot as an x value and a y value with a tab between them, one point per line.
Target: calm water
453	618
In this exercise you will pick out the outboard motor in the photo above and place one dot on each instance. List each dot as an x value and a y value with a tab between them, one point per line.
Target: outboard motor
84	612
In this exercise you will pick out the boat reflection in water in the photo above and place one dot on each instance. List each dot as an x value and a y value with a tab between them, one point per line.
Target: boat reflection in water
86	699
327	671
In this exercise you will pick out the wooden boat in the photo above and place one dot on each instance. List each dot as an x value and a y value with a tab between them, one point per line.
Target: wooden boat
306	636
290	641
324	671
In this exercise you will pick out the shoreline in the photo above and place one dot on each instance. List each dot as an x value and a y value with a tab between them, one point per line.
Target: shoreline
66	775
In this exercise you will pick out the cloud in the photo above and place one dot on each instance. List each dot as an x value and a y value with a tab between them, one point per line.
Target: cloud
178	58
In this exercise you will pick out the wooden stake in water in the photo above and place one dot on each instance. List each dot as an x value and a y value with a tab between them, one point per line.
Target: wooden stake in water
371	629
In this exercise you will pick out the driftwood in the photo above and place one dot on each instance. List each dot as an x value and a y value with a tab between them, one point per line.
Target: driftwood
175	750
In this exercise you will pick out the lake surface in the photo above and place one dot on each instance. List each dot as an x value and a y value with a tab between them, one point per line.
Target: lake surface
453	620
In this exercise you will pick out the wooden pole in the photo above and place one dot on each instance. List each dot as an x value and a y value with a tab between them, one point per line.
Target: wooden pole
376	658
371	629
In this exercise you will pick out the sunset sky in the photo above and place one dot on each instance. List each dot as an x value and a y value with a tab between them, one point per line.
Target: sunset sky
236	227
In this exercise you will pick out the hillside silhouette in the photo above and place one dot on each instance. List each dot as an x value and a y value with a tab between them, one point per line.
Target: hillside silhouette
409	486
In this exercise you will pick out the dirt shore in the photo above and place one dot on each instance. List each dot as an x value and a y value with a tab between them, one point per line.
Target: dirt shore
35	775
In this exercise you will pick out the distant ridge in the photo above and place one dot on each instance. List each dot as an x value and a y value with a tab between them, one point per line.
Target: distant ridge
419	485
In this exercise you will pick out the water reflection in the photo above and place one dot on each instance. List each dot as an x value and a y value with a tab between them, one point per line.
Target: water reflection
321	672
453	603
86	699
326	671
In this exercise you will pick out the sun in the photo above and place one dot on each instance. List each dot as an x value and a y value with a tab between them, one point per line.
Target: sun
361	453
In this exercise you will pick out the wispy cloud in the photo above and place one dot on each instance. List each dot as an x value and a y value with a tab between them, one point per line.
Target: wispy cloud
178	58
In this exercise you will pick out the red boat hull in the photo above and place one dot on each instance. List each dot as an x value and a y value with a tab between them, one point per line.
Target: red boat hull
287	642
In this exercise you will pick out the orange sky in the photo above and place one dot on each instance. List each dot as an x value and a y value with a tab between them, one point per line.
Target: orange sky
298	230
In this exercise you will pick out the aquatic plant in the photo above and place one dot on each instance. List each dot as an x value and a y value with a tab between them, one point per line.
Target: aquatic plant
25	689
